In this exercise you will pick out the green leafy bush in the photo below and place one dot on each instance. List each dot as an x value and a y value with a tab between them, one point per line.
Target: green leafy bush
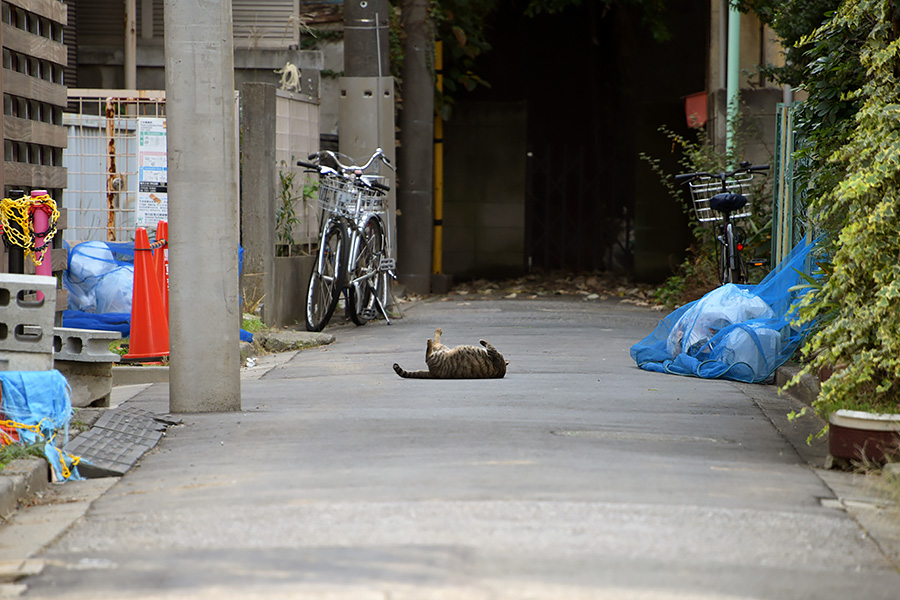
858	330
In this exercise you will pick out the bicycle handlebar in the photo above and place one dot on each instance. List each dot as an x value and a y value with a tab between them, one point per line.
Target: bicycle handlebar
345	169
349	172
724	175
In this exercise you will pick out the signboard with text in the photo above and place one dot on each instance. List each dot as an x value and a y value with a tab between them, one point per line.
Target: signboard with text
152	199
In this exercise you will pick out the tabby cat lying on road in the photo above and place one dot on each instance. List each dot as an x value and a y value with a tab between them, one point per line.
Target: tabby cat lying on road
462	362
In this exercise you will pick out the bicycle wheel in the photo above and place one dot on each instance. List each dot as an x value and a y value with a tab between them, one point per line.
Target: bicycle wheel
367	282
732	268
325	280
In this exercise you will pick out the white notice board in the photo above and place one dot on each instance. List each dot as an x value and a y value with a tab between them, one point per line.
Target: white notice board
152	199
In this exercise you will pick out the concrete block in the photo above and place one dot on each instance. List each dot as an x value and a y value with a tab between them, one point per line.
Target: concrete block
91	382
26	324
84	345
25	361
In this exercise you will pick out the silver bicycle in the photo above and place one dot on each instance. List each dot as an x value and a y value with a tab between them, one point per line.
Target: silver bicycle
354	241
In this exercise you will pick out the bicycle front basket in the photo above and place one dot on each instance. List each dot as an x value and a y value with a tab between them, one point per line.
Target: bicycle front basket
372	199
704	188
334	193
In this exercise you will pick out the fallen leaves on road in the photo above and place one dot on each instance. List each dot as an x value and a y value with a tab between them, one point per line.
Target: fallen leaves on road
587	287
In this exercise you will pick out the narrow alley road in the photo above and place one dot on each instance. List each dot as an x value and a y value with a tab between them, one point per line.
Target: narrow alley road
578	476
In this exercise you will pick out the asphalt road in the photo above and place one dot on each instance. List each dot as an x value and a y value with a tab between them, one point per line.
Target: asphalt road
577	476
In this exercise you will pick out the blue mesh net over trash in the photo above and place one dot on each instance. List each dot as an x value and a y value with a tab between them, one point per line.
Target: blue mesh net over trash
40	401
737	332
100	281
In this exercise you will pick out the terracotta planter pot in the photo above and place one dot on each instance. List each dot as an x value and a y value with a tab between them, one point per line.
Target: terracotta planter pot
863	436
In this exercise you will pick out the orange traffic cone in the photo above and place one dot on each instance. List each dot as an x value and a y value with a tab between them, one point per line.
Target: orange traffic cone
161	261
149	321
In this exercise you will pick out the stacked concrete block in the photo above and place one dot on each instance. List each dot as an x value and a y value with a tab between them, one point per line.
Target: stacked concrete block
84	345
27	312
84	357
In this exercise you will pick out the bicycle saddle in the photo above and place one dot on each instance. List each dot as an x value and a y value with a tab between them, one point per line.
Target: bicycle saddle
727	202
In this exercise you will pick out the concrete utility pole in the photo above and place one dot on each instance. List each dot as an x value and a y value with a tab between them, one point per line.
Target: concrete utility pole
130	58
416	154
366	102
366	41
204	311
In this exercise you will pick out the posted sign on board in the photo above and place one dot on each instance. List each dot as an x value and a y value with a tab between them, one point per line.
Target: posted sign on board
152	199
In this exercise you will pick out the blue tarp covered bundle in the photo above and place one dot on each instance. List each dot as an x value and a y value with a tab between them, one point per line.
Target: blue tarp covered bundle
100	280
737	332
40	399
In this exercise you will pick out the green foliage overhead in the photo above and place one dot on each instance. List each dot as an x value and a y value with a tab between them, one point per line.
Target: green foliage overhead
792	22
822	58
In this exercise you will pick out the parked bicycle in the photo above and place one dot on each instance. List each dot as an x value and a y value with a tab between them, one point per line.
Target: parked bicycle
354	241
725	197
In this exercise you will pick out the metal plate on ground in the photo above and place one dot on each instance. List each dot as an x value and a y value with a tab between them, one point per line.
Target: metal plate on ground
116	441
131	421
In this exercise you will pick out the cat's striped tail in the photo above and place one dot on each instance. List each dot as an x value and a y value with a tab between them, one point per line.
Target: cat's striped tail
411	374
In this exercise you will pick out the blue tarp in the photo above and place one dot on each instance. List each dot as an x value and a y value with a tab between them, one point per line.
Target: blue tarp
737	332
100	279
41	399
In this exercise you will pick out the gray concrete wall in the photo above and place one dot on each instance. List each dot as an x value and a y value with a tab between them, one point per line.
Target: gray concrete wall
258	195
758	109
484	190
100	67
270	135
288	306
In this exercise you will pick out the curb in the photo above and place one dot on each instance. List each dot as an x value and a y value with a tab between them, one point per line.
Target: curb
20	480
289	340
133	375
806	390
269	341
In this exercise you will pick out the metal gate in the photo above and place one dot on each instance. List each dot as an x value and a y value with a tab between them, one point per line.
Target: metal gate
101	159
789	214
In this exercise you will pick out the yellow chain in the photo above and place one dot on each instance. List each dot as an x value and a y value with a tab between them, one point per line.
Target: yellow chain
18	212
36	429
